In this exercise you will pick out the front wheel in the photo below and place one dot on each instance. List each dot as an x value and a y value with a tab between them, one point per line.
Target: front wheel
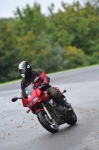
49	124
72	118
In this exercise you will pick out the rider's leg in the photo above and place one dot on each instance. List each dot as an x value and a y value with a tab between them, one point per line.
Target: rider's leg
58	97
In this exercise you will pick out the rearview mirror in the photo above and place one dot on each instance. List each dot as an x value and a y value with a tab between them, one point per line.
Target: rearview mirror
14	99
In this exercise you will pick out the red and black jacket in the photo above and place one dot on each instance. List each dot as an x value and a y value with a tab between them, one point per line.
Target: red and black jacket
44	79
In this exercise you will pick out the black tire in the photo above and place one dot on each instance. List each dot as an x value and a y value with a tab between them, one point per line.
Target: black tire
72	119
42	117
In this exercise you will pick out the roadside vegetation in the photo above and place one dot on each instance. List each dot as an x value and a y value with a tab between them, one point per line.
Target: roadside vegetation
58	41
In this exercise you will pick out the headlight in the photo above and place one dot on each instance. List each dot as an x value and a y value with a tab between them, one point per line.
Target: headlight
29	104
35	99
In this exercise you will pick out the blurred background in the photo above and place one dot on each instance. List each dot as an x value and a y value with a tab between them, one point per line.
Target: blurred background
61	36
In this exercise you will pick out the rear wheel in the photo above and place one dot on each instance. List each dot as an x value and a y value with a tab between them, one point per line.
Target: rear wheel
49	124
72	118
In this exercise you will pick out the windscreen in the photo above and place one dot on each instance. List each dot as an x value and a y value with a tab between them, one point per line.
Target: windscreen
27	91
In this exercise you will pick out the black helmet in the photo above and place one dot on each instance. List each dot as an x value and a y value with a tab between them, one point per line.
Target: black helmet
25	69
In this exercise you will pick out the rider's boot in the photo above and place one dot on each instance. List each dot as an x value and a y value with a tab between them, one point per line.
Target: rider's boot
58	97
65	103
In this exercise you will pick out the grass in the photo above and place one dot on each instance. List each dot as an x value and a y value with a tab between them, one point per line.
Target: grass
9	82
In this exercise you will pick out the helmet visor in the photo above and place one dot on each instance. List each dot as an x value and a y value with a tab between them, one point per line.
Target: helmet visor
22	71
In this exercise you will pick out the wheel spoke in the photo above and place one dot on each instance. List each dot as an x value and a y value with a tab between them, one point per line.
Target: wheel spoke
50	121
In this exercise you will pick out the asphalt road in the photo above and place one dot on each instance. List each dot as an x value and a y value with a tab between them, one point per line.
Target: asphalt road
21	131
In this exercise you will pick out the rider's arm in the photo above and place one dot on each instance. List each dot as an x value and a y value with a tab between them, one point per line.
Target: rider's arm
45	79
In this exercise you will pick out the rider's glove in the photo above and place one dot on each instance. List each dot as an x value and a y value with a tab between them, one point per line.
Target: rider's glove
14	99
42	86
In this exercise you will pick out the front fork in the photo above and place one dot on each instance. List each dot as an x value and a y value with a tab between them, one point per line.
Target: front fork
44	108
47	111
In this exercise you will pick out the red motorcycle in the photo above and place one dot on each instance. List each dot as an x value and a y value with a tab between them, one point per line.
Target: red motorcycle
49	113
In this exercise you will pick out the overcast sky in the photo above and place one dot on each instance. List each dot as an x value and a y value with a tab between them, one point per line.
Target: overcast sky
7	7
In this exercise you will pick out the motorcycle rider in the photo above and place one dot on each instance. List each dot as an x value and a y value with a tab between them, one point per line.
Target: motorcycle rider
29	75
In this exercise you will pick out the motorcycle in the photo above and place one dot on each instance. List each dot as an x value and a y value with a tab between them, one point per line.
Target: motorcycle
49	113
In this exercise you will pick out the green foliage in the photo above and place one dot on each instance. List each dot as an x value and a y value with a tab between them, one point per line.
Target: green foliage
30	19
77	59
51	60
8	51
68	38
95	58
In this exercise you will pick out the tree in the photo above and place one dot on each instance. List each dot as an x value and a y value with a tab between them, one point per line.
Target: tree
30	19
8	52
